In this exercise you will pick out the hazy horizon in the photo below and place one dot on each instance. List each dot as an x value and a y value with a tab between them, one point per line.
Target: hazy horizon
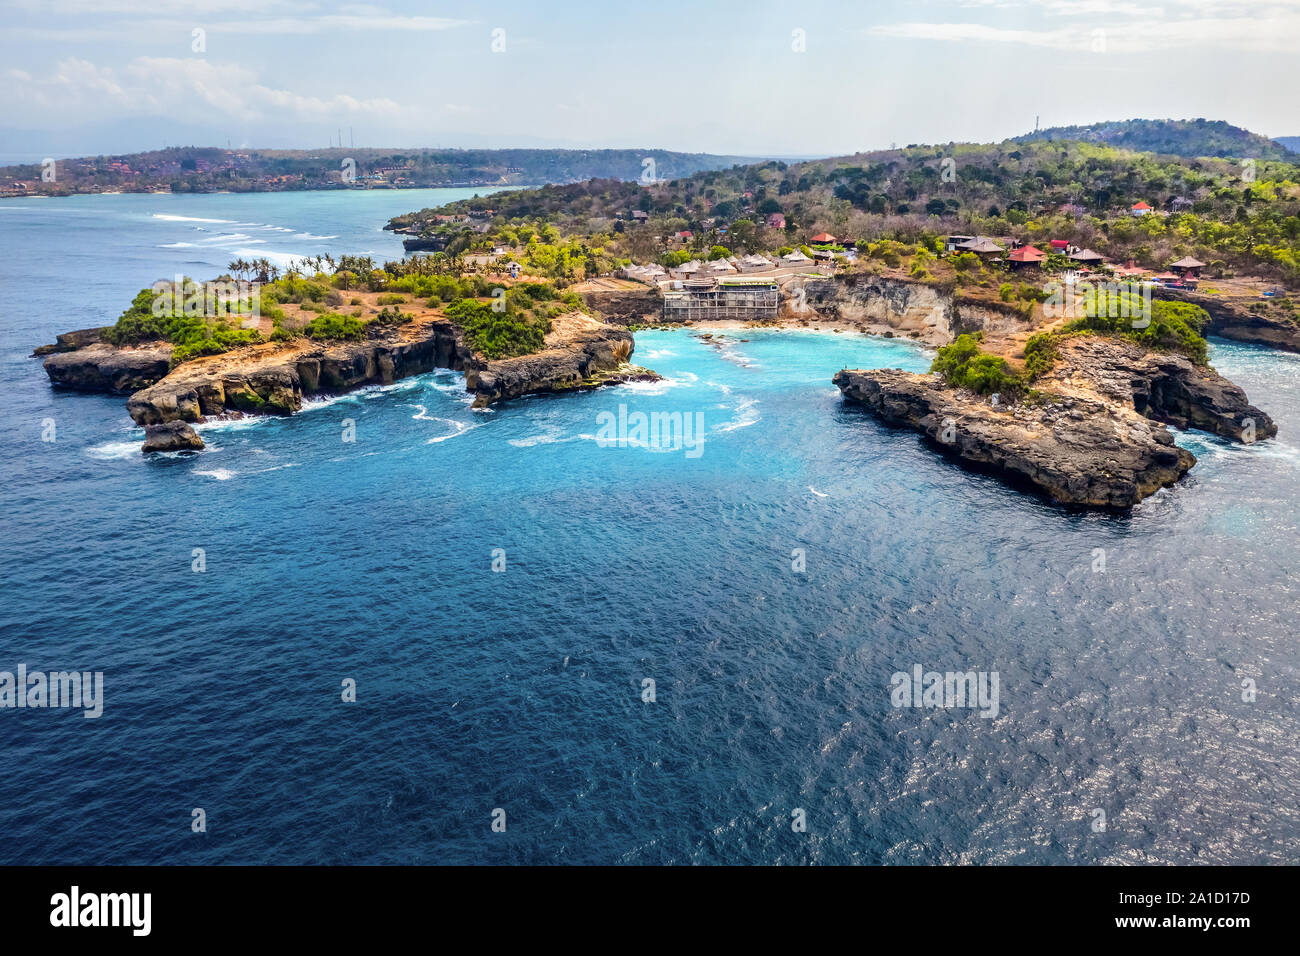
747	80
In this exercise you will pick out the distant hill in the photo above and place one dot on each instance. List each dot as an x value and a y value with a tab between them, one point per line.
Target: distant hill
1080	192
1289	142
194	169
1196	137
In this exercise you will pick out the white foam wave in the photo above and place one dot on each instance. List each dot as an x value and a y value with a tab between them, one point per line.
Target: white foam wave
460	429
220	474
746	414
115	450
168	217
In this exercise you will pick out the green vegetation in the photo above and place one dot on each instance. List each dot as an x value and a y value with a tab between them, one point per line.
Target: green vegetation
1198	137
332	327
156	315
1041	353
515	322
964	365
1237	218
1173	326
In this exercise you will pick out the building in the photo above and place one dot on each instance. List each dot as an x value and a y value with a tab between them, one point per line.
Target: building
687	270
754	263
795	258
744	299
776	221
1086	257
1140	209
952	242
823	238
640	215
651	275
1187	267
981	246
1026	256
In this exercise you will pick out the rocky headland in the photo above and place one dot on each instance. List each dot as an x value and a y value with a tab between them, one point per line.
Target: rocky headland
273	378
1091	434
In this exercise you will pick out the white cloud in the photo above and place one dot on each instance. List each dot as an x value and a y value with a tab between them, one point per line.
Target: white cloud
1244	31
183	89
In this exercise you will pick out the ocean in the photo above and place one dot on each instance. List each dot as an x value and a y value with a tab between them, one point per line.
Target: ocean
570	652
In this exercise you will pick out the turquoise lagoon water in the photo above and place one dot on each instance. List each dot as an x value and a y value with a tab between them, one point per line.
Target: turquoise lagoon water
523	689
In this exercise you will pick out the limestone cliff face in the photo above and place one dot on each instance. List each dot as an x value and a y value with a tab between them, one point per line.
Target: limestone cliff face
1259	321
272	379
893	306
589	357
1095	435
100	367
626	306
1163	386
1075	450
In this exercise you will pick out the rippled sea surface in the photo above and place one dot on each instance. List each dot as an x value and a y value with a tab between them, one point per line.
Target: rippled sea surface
1121	642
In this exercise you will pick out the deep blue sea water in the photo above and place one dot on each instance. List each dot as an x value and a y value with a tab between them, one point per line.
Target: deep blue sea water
326	560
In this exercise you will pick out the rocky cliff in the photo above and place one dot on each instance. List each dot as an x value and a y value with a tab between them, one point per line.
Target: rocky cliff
1261	321
586	357
100	367
1092	435
273	378
886	305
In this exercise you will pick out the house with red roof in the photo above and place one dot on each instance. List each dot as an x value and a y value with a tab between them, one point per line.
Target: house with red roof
822	237
1026	256
1140	208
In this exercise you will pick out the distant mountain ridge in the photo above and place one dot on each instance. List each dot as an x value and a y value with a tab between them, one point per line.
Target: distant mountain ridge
1190	138
1289	142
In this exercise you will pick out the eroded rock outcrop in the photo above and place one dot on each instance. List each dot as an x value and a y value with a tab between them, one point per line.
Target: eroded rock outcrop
587	357
100	367
1163	386
1093	433
171	436
272	379
1076	450
1260	321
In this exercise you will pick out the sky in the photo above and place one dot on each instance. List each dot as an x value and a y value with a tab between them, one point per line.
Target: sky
749	77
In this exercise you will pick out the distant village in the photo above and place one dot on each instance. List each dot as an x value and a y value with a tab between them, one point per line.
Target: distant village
825	249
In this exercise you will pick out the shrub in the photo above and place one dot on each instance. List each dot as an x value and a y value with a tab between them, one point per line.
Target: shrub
964	365
1173	326
391	298
497	334
1041	354
332	326
390	316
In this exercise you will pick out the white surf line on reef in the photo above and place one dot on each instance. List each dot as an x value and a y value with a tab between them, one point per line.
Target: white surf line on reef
168	217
